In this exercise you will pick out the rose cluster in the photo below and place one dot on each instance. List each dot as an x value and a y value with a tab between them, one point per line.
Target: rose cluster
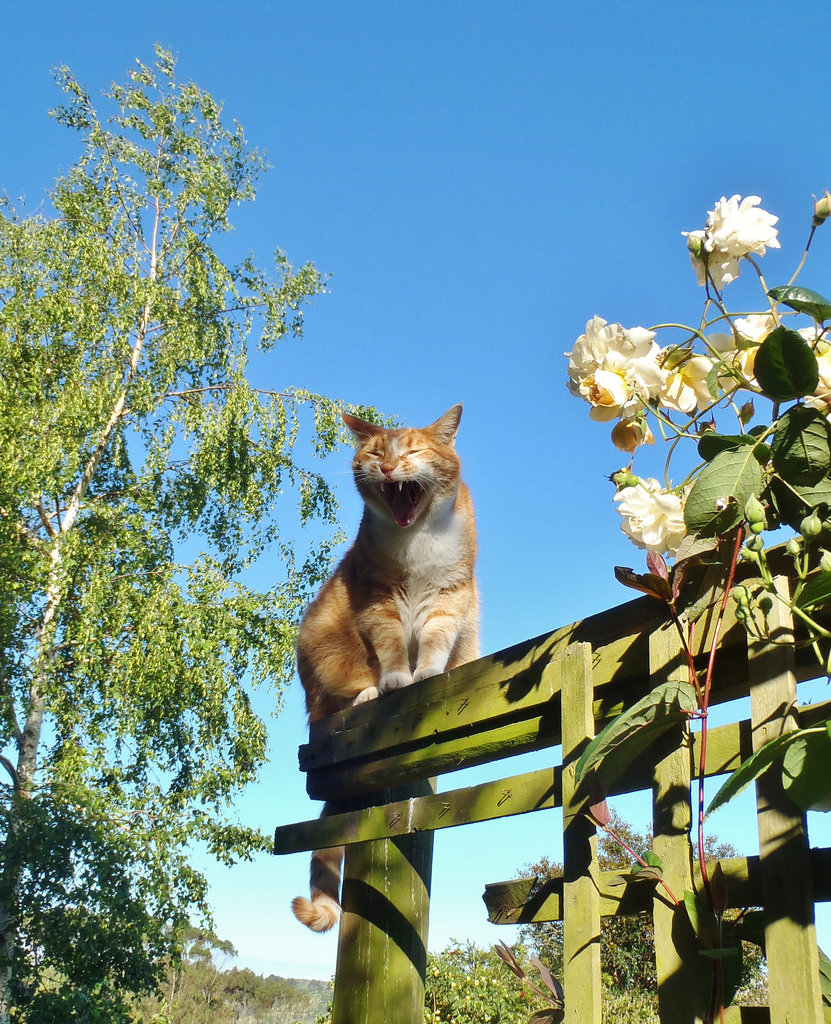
624	375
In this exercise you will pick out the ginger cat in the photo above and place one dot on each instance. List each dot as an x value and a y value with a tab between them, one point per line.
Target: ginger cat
402	605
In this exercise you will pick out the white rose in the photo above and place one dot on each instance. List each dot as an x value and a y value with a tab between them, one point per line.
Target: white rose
723	267
737	228
686	387
755	327
614	369
821	398
652	517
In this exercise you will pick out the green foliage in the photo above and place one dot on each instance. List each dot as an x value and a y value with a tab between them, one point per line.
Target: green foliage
716	502
785	366
626	736
200	988
627	943
772	473
469	985
803	300
141	472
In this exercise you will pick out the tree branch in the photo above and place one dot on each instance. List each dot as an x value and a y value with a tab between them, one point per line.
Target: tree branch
7	764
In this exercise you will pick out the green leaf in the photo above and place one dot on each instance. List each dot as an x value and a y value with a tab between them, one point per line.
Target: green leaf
628	735
721	954
711	444
806	770
751	769
716	502
552	1016
653	860
647	583
803	300
816	592
785	366
801	448
824	977
795	501
702	919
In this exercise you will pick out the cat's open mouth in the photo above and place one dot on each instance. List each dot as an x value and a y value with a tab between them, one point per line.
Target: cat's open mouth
403	498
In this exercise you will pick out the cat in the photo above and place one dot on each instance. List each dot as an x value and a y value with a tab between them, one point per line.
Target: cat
403	603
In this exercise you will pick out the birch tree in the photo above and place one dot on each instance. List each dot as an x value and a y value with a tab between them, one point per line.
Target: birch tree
140	470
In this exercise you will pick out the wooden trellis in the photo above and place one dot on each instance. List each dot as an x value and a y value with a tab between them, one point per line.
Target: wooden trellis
375	764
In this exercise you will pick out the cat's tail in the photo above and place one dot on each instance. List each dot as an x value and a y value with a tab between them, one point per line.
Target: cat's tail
322	911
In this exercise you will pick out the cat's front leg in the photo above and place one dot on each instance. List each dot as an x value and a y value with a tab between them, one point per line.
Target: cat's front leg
383	628
394	662
368	693
394	681
435	644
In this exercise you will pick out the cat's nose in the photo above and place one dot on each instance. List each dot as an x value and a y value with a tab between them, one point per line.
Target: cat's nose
387	468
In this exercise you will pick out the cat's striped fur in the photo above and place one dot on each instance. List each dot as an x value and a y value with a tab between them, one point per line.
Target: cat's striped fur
402	605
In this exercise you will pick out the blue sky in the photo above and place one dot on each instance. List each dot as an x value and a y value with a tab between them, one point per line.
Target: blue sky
479	179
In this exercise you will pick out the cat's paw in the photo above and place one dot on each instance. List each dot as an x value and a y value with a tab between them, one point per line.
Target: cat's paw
394	681
426	672
370	693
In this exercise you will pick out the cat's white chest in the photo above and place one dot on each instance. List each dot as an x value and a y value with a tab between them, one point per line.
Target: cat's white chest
432	559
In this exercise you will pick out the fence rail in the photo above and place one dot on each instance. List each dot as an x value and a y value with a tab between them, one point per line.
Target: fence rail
373	765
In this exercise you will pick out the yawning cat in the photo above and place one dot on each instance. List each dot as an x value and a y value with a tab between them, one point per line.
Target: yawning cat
402	605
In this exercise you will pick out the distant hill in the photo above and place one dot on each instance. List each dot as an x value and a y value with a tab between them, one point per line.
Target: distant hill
319	994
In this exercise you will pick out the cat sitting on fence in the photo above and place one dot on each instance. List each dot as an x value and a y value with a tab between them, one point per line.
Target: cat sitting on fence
402	605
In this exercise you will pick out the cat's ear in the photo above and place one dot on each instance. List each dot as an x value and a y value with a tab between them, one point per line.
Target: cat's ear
360	428
446	427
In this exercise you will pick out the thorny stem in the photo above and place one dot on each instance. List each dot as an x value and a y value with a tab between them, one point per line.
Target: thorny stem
703	696
718	995
640	861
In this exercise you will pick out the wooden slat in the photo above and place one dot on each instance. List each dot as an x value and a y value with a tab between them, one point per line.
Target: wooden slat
495	707
676	952
619	640
511	902
517	794
790	937
581	903
382	944
437	758
727	746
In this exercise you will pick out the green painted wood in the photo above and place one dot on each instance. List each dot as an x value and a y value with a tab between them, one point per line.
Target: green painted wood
790	935
505	684
480	695
517	794
746	1015
436	756
516	902
501	705
580	900
382	944
510	702
513	902
676	952
727	747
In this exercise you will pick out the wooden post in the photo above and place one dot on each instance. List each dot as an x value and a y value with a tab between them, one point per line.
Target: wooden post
790	936
676	951
581	899
382	946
